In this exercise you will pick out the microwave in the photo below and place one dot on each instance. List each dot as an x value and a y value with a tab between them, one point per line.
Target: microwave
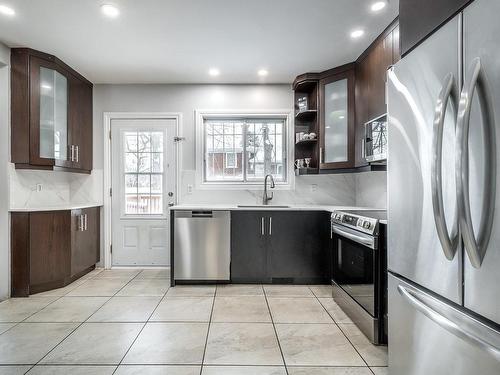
375	140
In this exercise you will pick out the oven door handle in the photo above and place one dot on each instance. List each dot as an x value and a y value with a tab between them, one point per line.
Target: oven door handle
366	240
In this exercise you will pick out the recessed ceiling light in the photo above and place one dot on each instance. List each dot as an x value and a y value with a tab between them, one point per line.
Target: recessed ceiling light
4	9
46	86
341	117
263	72
214	72
357	33
110	10
379	5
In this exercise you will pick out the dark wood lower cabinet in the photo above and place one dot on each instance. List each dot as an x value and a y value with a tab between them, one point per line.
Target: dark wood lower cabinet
50	244
282	247
53	248
85	249
296	246
249	256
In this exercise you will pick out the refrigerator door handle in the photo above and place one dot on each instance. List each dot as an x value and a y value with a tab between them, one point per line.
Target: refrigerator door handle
449	243
455	322
475	246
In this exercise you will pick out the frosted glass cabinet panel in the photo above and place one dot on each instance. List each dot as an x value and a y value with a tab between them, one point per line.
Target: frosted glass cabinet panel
53	114
336	135
337	120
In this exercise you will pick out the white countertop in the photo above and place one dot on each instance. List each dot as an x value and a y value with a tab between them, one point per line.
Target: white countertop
56	208
277	207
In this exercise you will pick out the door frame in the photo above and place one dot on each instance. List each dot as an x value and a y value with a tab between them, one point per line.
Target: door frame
107	173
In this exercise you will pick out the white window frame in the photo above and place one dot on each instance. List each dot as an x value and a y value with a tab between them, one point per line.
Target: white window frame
202	115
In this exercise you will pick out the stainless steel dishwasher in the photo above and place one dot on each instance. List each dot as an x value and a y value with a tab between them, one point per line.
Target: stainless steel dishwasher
202	245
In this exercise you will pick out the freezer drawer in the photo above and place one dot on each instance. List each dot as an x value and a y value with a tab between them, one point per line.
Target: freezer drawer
428	336
202	245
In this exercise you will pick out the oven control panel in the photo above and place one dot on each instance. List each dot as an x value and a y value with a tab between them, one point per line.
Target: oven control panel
363	224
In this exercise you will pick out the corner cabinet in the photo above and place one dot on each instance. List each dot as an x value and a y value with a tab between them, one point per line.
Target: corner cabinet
51	114
324	113
51	249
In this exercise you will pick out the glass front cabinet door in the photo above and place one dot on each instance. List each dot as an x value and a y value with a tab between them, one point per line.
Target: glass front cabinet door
337	121
49	115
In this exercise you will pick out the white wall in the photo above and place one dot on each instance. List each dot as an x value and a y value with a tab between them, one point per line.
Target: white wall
327	189
4	159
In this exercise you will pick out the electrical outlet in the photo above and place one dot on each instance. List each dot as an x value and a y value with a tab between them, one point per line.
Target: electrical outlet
190	189
314	188
39	187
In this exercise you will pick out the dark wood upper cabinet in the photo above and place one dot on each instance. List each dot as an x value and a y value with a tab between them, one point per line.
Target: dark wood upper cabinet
419	18
371	76
337	119
51	111
340	102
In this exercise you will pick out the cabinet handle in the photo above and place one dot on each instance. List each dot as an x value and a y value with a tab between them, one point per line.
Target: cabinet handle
321	155
270	226
71	153
86	221
80	223
77	154
262	226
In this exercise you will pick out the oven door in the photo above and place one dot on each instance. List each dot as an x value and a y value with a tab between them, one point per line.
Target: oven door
355	266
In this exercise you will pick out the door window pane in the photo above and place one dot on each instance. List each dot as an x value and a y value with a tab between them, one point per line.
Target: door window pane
336	125
143	172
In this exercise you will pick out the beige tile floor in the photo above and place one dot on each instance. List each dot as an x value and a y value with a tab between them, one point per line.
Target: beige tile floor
129	322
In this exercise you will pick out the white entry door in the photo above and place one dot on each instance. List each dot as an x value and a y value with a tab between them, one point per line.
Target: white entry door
143	185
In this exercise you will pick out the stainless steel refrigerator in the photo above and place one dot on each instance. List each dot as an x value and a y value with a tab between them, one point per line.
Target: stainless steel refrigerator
444	200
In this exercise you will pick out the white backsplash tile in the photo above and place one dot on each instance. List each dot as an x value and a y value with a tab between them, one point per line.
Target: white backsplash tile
371	189
335	189
368	189
57	188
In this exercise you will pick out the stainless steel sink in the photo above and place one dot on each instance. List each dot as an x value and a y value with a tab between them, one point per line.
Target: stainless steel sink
260	206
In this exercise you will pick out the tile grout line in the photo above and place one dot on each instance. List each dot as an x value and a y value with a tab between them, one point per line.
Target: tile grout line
78	326
208	330
142	329
340	329
33	365
275	331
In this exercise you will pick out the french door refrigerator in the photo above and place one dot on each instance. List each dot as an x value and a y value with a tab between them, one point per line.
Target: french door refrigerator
444	200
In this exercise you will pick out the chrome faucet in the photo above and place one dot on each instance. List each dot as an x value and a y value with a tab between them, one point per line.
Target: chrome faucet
266	198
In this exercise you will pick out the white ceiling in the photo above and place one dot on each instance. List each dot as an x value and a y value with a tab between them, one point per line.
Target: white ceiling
177	41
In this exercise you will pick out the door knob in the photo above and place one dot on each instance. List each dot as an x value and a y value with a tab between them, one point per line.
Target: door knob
170	194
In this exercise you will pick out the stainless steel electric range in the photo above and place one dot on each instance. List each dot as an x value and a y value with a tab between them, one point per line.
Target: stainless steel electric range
359	269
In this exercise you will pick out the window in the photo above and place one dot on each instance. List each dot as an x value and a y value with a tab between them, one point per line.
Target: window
243	150
231	160
143	172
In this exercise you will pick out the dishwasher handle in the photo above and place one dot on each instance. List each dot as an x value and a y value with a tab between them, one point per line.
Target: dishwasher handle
204	214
